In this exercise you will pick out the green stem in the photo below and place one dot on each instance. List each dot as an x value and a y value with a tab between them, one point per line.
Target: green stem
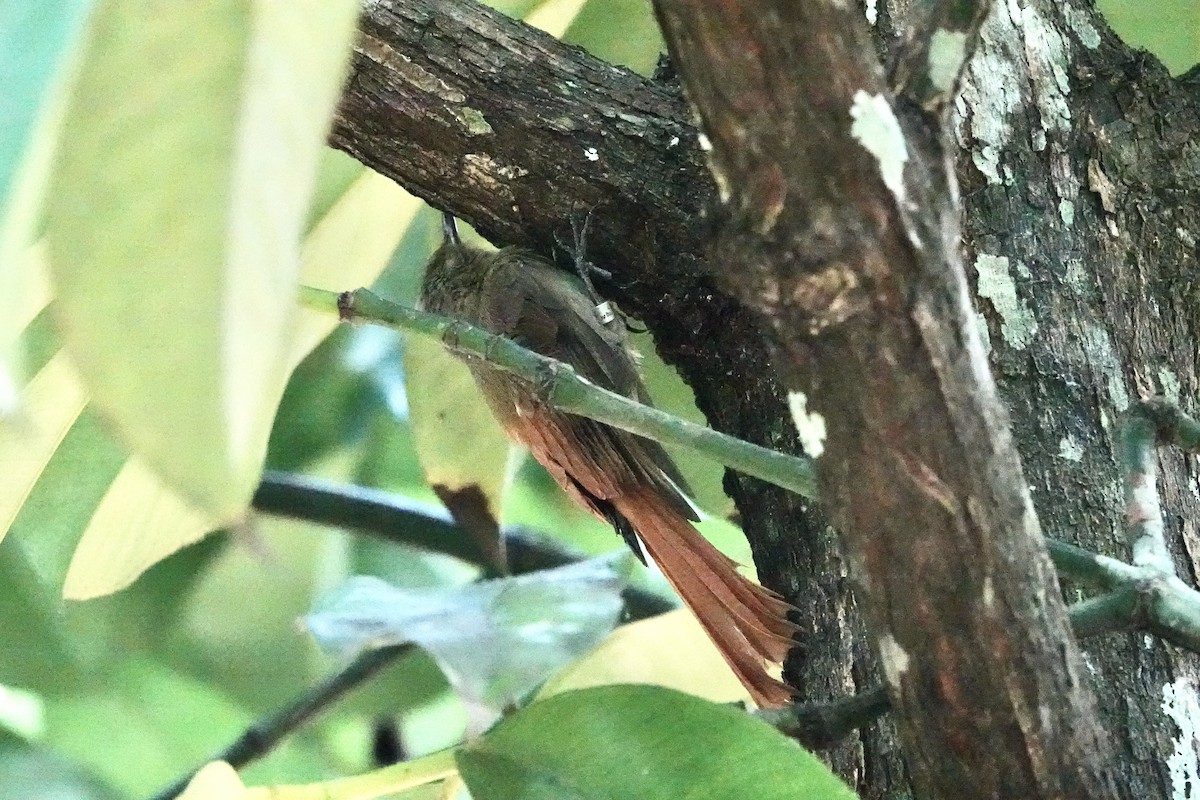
564	390
1144	594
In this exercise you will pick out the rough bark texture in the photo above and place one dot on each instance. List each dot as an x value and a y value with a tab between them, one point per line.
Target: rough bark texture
1079	172
1078	169
850	253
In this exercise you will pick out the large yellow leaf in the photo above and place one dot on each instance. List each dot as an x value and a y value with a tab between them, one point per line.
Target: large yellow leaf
174	217
141	520
669	650
53	400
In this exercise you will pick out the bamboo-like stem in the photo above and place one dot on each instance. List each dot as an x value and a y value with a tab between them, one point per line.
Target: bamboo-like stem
1140	595
563	389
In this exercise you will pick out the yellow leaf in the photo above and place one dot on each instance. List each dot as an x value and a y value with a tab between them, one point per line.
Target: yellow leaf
349	247
177	302
139	522
669	650
459	442
554	16
52	401
215	781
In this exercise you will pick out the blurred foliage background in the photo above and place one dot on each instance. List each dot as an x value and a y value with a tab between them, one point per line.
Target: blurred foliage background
117	696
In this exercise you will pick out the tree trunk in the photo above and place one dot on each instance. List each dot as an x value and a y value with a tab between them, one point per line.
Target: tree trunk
1077	167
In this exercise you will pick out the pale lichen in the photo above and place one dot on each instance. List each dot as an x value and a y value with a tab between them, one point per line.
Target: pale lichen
1102	357
1070	449
1017	323
947	49
1066	212
876	128
473	120
810	425
1168	383
1181	705
1081	24
894	660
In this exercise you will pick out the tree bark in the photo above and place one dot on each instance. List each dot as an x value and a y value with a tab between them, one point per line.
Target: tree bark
1079	170
1078	173
842	232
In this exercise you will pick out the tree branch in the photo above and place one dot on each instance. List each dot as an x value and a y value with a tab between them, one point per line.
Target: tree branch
262	736
416	524
1139	596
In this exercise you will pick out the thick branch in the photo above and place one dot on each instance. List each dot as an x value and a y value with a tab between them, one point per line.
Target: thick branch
842	230
510	129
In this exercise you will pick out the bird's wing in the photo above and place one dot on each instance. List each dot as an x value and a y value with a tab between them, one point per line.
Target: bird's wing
548	311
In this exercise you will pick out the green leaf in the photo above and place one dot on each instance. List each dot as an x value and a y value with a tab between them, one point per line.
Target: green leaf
33	773
459	443
494	640
145	727
33	37
1170	29
189	153
619	31
640	742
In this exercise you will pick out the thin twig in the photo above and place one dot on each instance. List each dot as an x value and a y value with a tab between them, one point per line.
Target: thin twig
564	390
396	519
819	726
425	525
1164	606
258	740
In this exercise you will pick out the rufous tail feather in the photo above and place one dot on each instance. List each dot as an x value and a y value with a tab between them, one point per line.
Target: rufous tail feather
747	622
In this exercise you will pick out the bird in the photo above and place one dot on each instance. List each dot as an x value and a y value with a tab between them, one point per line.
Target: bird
624	479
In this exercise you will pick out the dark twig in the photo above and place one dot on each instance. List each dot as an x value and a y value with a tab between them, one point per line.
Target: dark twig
818	726
258	740
425	525
396	519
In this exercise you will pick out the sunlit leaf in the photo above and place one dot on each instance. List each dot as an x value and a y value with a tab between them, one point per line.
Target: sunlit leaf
140	519
669	650
495	640
641	741
53	401
459	442
215	781
553	16
350	246
634	43
139	522
392	782
176	301
1170	29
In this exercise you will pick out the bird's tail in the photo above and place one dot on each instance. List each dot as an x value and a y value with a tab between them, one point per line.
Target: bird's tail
747	622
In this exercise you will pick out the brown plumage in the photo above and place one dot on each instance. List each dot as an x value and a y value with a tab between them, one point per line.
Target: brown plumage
621	478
